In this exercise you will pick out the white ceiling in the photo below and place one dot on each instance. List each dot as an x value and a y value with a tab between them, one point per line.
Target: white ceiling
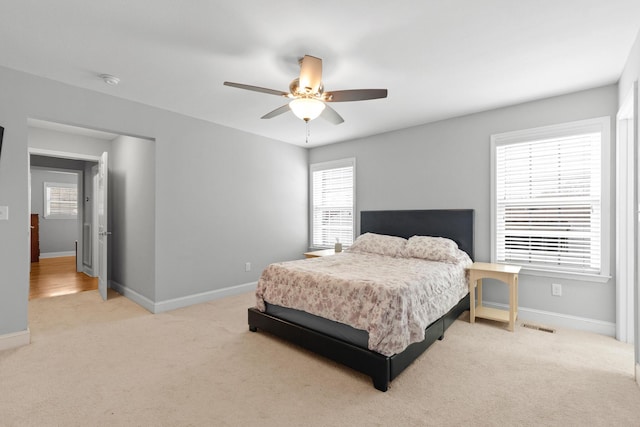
437	58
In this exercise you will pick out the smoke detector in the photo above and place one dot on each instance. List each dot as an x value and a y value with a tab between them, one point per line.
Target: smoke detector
109	79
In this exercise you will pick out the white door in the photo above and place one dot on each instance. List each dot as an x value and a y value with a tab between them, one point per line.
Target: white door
103	232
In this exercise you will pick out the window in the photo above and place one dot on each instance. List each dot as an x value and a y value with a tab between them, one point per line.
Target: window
550	198
60	200
332	203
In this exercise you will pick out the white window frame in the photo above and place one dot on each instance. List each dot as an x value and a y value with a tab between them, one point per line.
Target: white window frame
47	201
602	125
335	164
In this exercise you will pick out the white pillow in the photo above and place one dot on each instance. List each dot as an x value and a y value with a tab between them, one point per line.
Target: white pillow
379	244
432	248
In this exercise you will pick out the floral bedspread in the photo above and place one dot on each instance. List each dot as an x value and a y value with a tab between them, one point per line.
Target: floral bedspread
393	299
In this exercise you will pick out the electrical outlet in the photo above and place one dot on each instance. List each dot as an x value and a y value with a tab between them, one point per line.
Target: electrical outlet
4	212
556	289
247	266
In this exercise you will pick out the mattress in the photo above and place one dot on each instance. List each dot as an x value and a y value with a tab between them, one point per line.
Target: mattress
392	299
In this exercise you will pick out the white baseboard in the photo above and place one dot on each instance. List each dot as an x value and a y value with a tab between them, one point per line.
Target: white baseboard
134	296
57	254
15	339
188	300
172	304
560	320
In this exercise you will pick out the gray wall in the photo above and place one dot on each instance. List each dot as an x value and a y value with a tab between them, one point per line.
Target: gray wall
631	72
58	141
56	235
132	187
447	165
222	197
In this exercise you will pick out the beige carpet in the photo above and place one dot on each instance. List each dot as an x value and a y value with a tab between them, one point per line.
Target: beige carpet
103	364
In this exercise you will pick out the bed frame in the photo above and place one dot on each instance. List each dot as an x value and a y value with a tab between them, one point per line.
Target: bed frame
454	224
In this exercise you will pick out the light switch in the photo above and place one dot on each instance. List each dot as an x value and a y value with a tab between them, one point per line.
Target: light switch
4	212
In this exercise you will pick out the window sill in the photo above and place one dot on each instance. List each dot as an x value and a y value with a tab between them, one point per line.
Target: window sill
60	217
595	278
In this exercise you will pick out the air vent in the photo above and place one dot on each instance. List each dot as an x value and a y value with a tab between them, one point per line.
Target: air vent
539	328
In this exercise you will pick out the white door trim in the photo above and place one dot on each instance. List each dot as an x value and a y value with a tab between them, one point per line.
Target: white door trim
63	154
626	213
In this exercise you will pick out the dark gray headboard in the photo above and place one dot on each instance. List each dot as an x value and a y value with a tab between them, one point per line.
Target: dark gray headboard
455	224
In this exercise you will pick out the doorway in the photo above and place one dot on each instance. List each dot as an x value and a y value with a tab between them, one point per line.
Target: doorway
64	150
58	228
61	241
126	206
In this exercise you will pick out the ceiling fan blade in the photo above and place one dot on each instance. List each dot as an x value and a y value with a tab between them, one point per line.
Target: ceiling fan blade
354	95
331	115
257	89
310	74
276	112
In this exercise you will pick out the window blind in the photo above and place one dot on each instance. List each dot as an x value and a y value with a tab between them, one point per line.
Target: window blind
332	203
548	203
61	200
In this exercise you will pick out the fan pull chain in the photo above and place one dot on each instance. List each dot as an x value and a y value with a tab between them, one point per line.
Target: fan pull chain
308	132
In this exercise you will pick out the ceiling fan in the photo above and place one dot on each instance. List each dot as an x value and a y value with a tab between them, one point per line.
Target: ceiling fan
307	95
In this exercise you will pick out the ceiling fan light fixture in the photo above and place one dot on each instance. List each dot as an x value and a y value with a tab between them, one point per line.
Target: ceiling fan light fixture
307	108
307	98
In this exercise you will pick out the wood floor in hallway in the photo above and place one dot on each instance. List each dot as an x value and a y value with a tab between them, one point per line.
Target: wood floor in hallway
52	277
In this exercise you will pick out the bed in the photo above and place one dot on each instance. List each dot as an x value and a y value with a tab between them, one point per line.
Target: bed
350	350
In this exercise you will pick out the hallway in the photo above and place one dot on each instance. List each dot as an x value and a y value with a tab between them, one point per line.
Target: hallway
57	276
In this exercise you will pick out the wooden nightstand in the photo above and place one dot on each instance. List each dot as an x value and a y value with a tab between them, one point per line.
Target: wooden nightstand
505	273
321	252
